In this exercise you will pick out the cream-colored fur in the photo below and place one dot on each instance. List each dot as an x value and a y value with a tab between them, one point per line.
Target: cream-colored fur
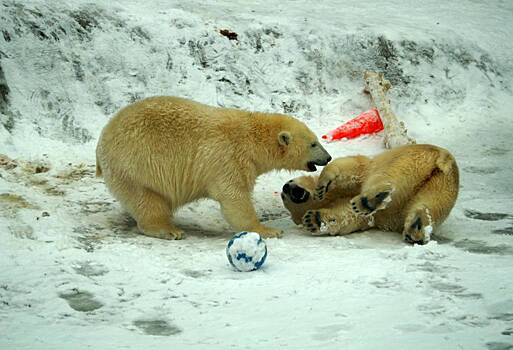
163	152
409	189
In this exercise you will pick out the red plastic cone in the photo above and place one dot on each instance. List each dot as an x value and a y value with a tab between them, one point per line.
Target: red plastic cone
366	123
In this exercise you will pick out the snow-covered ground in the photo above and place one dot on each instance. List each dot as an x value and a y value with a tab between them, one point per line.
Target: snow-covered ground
74	273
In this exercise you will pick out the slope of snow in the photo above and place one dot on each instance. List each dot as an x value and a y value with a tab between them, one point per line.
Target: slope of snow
74	273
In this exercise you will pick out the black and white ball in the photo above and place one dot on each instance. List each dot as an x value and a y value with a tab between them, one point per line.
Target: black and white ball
246	251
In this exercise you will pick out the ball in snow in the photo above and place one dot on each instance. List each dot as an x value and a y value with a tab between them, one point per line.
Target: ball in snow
246	251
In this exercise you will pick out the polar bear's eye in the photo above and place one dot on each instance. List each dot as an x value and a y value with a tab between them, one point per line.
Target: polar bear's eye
314	144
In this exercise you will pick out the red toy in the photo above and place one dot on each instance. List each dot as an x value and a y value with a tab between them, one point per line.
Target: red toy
366	123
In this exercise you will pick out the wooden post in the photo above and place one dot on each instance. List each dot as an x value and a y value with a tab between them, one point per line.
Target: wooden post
396	133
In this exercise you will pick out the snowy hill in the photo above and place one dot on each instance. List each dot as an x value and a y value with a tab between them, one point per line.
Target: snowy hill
75	273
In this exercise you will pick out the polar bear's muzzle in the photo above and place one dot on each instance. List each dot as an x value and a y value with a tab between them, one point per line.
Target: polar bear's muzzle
311	165
320	157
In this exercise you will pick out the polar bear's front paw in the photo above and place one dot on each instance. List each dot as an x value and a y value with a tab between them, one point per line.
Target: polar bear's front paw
321	190
168	232
268	232
321	222
370	201
312	221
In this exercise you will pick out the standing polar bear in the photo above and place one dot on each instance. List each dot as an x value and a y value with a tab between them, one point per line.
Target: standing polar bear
409	189
163	152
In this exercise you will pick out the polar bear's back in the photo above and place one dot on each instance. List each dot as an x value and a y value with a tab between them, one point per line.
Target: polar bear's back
163	116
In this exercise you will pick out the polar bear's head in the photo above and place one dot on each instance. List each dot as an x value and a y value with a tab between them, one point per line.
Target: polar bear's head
300	148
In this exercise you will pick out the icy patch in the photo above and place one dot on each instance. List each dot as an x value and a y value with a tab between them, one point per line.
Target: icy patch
157	327
81	301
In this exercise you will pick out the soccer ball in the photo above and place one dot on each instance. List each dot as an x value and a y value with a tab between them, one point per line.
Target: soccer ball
246	251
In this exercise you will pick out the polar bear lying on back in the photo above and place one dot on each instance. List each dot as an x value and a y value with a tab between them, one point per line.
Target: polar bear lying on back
163	152
409	189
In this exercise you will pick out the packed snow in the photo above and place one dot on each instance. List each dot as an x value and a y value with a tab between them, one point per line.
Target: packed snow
75	273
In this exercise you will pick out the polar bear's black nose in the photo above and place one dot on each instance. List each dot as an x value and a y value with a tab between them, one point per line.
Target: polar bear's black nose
296	193
322	156
322	162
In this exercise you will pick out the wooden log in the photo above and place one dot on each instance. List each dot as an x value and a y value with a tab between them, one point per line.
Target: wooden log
395	131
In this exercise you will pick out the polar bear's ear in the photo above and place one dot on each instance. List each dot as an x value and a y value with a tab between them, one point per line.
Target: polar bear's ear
284	138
